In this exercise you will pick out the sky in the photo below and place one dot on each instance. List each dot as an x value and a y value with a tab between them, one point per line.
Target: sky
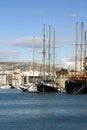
20	20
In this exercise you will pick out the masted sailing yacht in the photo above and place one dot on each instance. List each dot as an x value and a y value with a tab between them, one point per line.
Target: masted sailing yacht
77	83
47	84
32	76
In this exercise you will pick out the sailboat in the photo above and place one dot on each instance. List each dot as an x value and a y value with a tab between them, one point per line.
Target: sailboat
46	85
77	83
32	76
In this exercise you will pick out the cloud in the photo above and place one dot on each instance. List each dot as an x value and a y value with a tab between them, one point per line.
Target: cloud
67	63
27	41
18	48
74	15
23	42
4	56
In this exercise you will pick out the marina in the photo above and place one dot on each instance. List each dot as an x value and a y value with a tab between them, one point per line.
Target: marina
48	78
41	81
43	65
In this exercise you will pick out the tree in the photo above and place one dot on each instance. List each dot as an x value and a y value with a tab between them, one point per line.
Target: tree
63	72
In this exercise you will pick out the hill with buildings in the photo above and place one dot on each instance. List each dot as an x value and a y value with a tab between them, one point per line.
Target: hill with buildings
23	66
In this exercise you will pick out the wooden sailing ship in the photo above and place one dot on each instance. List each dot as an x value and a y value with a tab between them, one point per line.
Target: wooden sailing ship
77	83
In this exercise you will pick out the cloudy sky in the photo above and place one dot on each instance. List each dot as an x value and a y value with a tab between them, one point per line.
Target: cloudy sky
20	20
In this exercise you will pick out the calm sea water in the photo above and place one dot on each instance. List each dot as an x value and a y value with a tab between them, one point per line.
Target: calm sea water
30	111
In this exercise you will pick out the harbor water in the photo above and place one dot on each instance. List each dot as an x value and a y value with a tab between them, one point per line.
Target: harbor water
33	111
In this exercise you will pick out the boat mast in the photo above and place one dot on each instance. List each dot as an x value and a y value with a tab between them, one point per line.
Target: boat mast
76	47
33	43
44	51
81	47
53	51
49	46
85	35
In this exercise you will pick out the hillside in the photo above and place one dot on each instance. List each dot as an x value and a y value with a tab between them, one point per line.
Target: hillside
23	66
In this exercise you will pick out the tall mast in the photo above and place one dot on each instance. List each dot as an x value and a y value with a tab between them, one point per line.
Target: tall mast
33	43
85	35
44	51
76	47
81	47
53	51
49	47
